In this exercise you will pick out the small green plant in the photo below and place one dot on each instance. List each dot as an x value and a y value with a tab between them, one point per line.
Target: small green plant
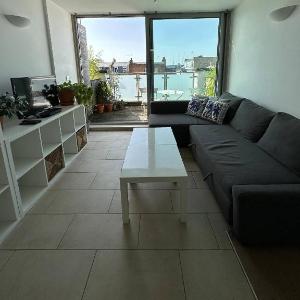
83	94
103	92
10	106
67	85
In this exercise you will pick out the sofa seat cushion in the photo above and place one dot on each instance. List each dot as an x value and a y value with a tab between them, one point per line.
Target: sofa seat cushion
251	120
175	119
282	141
237	161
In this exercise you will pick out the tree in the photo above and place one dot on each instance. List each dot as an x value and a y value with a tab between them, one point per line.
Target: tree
210	82
94	63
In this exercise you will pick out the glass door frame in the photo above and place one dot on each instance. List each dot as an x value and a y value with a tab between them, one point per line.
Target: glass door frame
222	53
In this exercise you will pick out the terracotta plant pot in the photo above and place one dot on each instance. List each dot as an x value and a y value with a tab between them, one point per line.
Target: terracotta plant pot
108	107
1	121
100	108
66	97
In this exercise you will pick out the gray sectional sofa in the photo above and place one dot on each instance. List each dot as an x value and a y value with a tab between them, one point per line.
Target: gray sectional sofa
251	163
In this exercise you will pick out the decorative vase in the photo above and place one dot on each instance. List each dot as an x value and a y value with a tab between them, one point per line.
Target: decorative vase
66	97
100	108
1	121
108	107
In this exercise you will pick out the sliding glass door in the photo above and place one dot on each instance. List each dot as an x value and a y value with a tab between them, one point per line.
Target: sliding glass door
183	56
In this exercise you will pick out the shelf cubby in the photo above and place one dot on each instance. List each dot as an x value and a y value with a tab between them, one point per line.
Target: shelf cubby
79	118
27	152
67	126
32	185
51	137
54	162
70	149
81	137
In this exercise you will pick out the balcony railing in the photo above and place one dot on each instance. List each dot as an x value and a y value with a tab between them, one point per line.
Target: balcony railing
167	86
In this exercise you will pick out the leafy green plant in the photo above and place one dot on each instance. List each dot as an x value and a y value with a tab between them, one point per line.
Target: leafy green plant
94	64
67	85
103	92
210	81
10	106
83	94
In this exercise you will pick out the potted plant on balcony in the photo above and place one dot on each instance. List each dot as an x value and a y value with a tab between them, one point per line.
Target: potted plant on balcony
11	106
102	94
66	93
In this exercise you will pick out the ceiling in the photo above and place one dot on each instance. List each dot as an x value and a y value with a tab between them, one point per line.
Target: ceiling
140	6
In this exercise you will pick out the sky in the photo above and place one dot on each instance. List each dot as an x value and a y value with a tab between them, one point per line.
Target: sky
175	39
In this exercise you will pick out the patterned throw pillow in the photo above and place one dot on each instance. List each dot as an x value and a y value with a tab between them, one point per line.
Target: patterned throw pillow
196	106
215	111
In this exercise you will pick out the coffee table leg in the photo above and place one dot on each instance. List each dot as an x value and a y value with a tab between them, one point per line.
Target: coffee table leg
183	200
124	201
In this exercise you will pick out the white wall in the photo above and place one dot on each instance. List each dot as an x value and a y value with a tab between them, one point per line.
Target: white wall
264	61
23	51
62	42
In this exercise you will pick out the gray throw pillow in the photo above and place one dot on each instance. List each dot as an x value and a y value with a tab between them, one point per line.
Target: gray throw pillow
251	120
215	111
234	103
282	141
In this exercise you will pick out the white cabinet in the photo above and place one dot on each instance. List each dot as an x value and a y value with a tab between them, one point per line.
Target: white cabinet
9	211
35	154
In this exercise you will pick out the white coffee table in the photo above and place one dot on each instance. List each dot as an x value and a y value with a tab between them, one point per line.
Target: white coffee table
153	156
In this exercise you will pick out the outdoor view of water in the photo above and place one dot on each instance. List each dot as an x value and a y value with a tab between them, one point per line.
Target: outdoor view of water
179	86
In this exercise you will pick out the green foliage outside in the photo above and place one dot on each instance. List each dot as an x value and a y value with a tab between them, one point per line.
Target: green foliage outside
94	63
210	80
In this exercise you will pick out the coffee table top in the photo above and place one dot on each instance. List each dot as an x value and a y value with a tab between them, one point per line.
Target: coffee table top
150	156
153	136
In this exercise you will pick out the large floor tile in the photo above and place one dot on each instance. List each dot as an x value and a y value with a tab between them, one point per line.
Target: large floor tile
144	201
47	275
165	231
42	204
84	166
80	201
200	183
220	228
74	181
198	201
135	275
190	164
103	231
38	232
107	145
214	275
109	179
93	154
4	257
109	136
116	154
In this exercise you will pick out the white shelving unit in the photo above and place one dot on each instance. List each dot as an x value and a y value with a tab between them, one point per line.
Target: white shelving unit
37	152
9	211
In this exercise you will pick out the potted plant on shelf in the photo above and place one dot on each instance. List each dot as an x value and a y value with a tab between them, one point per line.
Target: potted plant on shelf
11	106
66	93
84	96
102	94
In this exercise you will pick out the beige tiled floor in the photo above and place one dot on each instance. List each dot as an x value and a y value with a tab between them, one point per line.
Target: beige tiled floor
73	245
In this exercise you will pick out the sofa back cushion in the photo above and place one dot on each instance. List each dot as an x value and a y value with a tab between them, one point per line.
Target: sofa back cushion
251	120
282	141
234	103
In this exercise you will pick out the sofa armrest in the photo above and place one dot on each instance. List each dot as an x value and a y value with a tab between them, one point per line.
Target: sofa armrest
169	107
266	213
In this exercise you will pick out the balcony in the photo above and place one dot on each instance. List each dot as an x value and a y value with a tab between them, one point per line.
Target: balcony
131	94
